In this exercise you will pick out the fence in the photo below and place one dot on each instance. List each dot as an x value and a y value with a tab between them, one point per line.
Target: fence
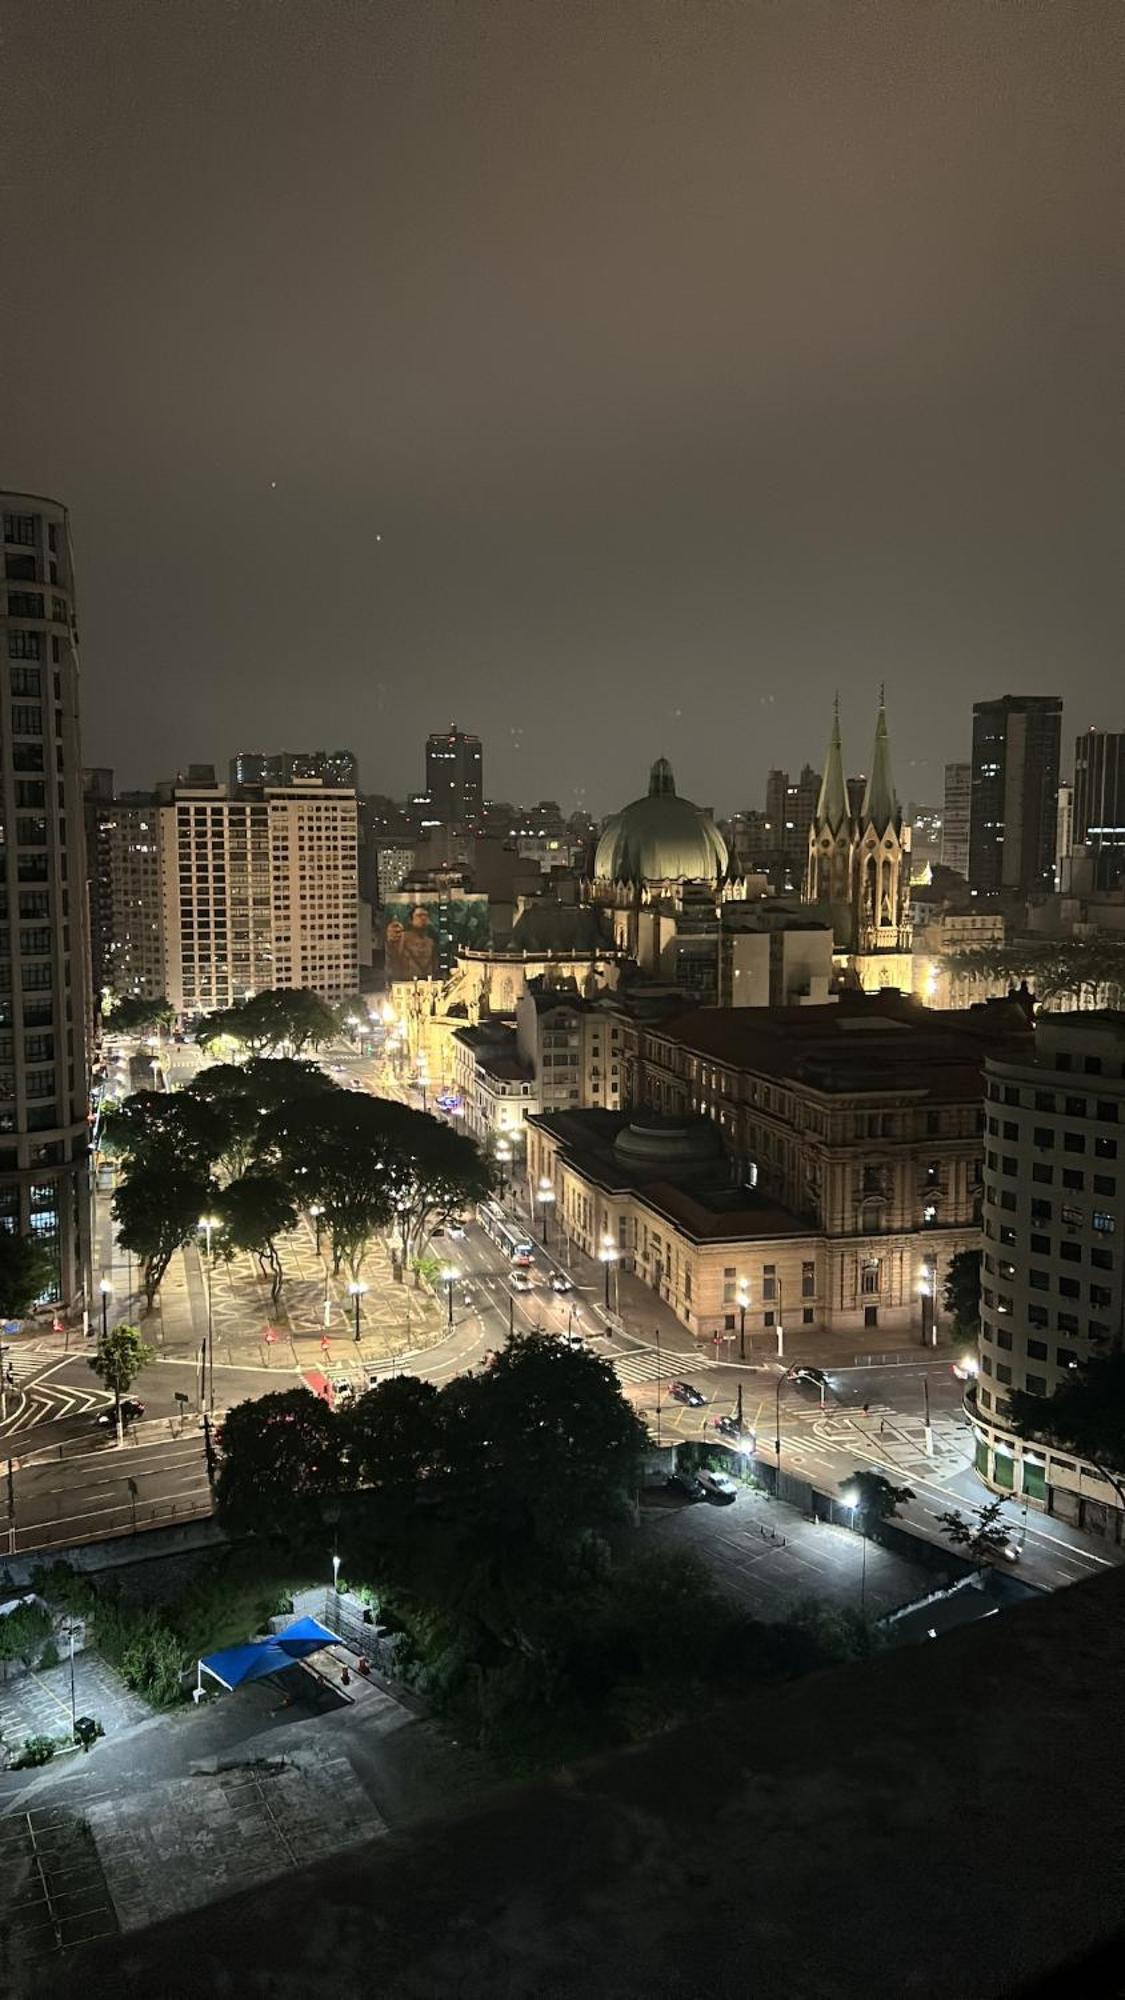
894	1536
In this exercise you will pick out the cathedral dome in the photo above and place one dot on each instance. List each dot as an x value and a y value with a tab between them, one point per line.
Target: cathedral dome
674	1149
661	838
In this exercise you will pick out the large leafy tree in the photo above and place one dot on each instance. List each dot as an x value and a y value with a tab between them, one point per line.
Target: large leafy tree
254	1211
128	1014
27	1274
282	1463
961	1292
280	1018
331	1148
393	1437
163	1127
157	1206
120	1356
1079	971
440	1172
980	1534
1086	1416
873	1497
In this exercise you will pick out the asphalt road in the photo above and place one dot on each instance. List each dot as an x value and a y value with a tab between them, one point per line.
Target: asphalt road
871	1416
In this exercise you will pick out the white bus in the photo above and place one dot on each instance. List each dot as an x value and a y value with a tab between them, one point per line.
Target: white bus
507	1235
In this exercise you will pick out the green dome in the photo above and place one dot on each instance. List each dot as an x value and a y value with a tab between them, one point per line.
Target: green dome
661	838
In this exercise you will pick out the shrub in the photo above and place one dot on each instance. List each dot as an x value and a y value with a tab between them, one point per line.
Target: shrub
23	1632
49	1657
38	1749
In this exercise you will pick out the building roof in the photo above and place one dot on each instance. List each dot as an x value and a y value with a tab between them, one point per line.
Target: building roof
869	1043
675	1186
547	925
661	838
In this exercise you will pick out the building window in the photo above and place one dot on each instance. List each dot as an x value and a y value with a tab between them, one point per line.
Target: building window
869	1277
807	1316
870	1315
1003	1372
808	1281
1104	1221
769	1284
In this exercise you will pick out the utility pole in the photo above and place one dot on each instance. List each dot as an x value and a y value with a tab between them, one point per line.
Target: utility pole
929	1430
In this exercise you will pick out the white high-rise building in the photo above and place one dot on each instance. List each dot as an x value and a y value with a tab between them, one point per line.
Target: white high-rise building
955	818
44	941
258	891
1053	1275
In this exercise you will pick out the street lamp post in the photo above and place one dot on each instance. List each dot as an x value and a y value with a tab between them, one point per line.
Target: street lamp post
208	1223
608	1254
780	1326
503	1161
357	1290
317	1213
851	1500
777	1423
450	1276
546	1196
928	1288
105	1288
743	1303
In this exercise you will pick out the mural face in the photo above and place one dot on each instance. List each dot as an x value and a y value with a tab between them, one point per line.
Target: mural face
422	937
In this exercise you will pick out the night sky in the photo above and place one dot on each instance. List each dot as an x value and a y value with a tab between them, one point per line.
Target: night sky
614	379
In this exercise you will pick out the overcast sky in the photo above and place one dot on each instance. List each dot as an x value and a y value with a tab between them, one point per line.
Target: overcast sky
613	377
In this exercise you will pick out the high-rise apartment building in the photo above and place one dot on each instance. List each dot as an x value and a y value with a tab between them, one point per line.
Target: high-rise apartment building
955	818
790	809
454	778
44	946
1053	1276
1015	782
289	767
258	891
1098	811
130	899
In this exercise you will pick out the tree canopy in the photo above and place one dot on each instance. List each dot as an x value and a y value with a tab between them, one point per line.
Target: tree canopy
128	1014
120	1356
156	1206
27	1274
293	1018
980	1534
1078	971
961	1292
876	1497
282	1462
1086	1416
253	1211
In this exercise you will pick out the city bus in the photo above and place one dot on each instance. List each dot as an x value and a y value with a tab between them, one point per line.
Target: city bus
507	1235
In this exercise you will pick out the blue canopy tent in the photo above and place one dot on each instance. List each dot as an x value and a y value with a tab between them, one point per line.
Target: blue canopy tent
257	1658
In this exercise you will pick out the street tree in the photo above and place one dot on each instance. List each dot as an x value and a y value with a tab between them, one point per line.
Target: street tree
962	1292
167	1128
1086	1416
875	1498
282	1463
157	1206
980	1534
393	1437
438	1173
118	1359
27	1274
278	1018
331	1149
253	1212
129	1014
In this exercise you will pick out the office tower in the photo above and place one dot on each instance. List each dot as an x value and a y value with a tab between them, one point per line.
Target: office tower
258	891
1053	1278
454	778
1015	783
955	818
334	768
1098	813
790	806
97	805
1064	836
44	952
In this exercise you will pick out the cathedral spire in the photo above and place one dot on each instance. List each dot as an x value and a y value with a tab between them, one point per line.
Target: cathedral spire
832	805
880	806
661	783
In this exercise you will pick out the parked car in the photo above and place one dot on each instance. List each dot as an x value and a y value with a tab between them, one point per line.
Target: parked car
685	1486
560	1282
343	1391
811	1378
131	1410
718	1486
686	1392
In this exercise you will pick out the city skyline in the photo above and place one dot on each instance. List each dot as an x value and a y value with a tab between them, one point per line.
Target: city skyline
799	401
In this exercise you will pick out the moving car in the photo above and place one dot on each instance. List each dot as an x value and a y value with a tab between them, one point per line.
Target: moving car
718	1486
729	1427
130	1411
457	1229
812	1378
521	1282
686	1392
343	1391
560	1282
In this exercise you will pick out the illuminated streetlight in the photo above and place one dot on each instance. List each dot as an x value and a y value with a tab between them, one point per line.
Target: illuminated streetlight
608	1254
503	1161
851	1497
317	1213
209	1223
546	1195
105	1288
743	1303
335	1572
